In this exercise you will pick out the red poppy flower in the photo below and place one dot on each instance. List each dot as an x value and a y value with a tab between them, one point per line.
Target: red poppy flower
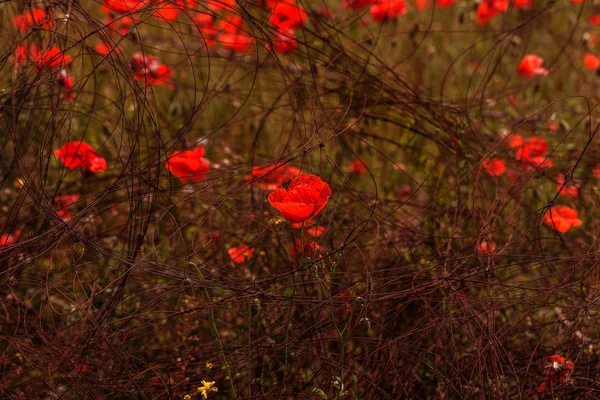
306	196
206	25
105	49
62	202
422	4
530	66
595	19
9	239
81	155
405	192
290	173
232	24
513	176
559	367
82	368
240	254
166	12
357	167
570	190
515	141
266	178
285	42
314	231
237	42
286	16
66	82
562	218
121	25
36	17
494	166
310	248
149	69
486	247
532	153
21	56
383	10
591	62
123	6
51	57
488	9
188	164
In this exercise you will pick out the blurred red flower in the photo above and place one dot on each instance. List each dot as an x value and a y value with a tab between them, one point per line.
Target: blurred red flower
206	25
357	167
66	82
533	153
104	49
61	202
290	173
310	248
21	56
232	24
240	254
515	140
562	218
488	9
285	42
188	164
314	231
123	6
486	247
149	69
596	171
569	190
591	62
237	42
9	239
35	17
166	12
51	57
494	166
286	16
383	10
81	155
530	66
595	19
121	25
266	178
558	366
306	196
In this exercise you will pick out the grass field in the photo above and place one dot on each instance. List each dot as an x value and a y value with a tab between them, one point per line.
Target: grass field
281	199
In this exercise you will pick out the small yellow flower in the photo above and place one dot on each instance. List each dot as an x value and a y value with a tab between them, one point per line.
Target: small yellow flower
276	220
187	397
19	183
209	365
206	388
